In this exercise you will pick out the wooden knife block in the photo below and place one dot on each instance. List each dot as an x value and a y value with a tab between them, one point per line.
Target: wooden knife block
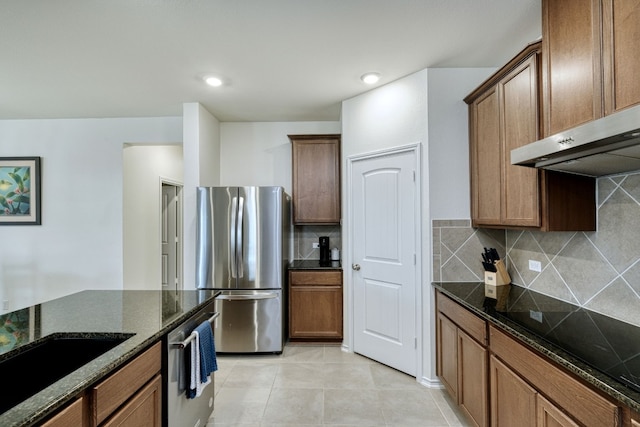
493	280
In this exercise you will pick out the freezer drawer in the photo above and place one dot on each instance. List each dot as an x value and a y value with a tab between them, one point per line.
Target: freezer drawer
250	321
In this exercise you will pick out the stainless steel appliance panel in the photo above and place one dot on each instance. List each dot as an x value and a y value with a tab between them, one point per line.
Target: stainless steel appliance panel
180	410
215	237
249	321
260	238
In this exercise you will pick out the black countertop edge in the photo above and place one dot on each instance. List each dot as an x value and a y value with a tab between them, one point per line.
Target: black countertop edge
602	382
45	403
314	264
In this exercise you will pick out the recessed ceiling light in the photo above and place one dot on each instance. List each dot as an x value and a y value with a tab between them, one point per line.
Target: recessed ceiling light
370	78
213	81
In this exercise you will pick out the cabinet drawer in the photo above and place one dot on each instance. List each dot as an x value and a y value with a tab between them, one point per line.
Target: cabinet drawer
72	415
315	278
474	326
144	408
582	403
119	387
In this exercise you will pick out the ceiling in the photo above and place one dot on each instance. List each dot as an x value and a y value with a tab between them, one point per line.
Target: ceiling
281	60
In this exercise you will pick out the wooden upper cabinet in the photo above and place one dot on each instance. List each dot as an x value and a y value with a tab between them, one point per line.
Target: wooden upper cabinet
589	60
621	38
486	159
316	179
519	125
504	115
571	63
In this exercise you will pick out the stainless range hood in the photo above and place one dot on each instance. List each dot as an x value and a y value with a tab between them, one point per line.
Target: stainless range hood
606	146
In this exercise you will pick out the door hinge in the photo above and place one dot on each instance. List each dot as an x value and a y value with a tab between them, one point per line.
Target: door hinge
414	176
415	342
415	261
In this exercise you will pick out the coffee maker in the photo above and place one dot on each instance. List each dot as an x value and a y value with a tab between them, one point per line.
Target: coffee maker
325	252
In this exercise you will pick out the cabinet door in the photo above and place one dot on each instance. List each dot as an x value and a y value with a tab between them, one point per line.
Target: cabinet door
447	354
621	38
519	121
316	179
486	159
472	379
571	62
550	416
513	401
316	312
144	409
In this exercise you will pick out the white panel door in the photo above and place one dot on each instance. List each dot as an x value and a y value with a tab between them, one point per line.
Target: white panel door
170	237
384	267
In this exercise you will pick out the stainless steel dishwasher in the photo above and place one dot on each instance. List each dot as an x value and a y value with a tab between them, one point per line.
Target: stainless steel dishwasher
183	412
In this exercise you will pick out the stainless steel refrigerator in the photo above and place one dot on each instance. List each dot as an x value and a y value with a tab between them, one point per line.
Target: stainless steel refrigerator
243	242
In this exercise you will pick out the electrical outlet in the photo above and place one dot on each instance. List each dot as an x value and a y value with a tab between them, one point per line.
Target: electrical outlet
5	304
535	265
316	245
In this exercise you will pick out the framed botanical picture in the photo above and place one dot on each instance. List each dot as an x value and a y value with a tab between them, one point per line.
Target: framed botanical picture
20	191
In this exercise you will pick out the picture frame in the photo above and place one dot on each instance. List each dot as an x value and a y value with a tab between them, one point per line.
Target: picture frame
20	191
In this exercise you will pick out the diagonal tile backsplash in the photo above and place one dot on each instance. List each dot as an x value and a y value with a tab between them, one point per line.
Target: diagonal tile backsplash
597	270
457	248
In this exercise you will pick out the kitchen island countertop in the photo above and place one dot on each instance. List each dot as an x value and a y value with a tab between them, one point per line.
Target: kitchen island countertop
149	315
577	339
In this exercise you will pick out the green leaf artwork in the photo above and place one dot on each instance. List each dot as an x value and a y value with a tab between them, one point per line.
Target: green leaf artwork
15	189
14	329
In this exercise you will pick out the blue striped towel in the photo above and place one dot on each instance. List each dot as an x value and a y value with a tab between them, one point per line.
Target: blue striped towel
208	362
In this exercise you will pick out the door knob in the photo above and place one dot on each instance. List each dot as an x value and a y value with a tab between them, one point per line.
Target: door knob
356	267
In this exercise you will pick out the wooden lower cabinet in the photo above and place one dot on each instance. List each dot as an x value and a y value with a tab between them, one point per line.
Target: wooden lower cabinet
122	387
550	415
315	305
447	357
71	415
472	383
461	358
131	397
497	380
564	399
143	409
513	401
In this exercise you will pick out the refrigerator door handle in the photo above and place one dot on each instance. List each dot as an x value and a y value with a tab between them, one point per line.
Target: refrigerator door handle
248	297
232	237
239	243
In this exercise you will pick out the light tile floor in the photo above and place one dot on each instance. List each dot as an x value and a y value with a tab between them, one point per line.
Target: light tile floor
323	385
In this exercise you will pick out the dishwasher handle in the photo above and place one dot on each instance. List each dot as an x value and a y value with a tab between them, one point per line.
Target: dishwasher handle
248	297
183	344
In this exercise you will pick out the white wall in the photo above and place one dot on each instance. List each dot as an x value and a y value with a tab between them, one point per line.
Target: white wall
424	107
145	166
260	153
449	196
393	115
201	154
449	139
79	244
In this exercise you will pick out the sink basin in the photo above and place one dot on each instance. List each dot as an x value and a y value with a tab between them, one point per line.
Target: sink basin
39	366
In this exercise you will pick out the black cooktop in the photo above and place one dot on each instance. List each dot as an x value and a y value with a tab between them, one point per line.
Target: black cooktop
608	345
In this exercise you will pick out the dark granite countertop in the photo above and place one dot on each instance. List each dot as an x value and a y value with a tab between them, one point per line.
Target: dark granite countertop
314	264
149	315
597	348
